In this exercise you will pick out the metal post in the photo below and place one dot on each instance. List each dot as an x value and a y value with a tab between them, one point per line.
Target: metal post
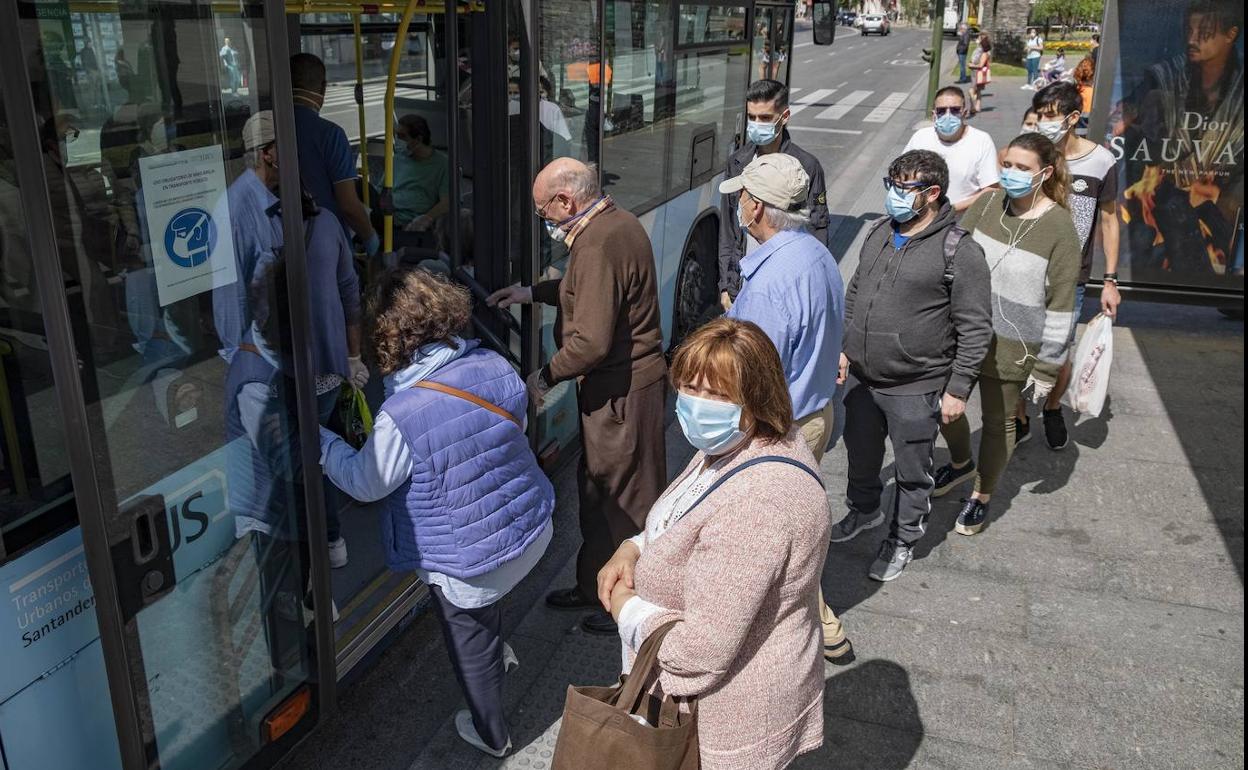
450	20
938	34
300	325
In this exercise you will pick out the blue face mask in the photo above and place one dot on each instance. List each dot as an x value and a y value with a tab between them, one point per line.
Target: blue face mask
948	124
761	134
711	426
900	204
1018	183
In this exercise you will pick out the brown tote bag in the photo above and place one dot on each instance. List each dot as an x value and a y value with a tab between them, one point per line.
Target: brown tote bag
599	732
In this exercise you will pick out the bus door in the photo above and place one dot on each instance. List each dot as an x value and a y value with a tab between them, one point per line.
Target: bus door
171	278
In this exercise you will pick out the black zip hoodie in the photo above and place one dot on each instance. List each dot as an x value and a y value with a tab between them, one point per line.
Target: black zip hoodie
906	332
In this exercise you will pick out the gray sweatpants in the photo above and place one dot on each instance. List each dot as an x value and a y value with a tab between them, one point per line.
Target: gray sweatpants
911	424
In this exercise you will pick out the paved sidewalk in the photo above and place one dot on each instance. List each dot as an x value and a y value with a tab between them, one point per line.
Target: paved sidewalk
1097	622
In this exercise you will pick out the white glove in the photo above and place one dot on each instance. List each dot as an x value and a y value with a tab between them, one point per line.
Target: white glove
1039	390
359	372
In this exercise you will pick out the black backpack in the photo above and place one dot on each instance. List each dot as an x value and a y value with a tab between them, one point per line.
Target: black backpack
953	237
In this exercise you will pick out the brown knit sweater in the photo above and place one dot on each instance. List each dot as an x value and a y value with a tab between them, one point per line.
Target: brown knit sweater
607	328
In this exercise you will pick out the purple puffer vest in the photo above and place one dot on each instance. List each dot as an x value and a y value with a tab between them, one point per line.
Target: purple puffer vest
477	497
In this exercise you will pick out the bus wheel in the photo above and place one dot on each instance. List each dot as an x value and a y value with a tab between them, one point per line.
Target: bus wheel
696	283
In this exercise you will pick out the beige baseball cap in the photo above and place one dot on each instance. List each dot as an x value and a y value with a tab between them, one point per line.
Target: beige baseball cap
775	178
258	130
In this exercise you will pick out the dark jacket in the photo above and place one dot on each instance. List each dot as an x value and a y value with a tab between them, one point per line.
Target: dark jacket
732	237
964	43
906	331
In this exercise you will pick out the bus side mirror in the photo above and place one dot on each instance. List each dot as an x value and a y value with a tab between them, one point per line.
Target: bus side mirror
824	21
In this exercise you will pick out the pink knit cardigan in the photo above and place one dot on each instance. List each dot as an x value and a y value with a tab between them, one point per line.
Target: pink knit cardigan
740	572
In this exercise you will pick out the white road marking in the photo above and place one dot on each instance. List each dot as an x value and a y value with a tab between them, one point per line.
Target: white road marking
811	98
842	108
792	127
882	113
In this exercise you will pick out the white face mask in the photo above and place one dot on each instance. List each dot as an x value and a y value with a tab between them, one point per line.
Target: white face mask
1053	130
556	233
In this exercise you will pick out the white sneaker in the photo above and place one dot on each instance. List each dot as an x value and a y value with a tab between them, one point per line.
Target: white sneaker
510	660
338	553
468	731
1027	87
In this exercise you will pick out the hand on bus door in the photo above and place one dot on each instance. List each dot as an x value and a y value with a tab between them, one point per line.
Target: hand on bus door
512	295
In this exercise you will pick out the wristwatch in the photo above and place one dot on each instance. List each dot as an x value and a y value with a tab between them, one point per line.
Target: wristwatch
1110	278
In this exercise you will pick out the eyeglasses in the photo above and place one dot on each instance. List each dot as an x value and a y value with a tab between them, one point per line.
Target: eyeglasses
890	185
955	111
541	213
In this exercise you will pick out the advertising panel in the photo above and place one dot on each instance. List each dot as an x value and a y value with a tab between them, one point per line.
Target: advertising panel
1177	128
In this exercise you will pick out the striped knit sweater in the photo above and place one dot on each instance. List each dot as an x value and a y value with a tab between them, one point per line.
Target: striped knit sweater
1033	287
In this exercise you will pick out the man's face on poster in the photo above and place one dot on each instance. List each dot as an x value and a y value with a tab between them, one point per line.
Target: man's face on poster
1207	39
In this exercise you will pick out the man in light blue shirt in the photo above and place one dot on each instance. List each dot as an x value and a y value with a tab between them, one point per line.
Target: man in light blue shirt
792	289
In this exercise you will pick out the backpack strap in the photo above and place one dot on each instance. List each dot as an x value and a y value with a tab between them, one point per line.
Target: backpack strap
953	237
756	461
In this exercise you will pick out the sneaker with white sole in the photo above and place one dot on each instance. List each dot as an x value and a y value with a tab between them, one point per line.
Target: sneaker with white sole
338	553
854	523
468	731
947	477
972	517
893	557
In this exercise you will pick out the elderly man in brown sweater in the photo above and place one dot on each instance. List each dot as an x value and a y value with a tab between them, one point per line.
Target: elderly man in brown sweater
610	342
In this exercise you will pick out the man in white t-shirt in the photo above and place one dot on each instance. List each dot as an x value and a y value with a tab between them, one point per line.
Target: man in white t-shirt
968	152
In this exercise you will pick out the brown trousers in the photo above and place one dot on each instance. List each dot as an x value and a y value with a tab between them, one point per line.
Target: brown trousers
816	429
622	472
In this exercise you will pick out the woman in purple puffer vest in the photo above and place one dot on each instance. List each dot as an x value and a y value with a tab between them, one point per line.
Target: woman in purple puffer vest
465	504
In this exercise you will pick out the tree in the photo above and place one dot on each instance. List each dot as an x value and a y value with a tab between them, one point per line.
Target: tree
1069	13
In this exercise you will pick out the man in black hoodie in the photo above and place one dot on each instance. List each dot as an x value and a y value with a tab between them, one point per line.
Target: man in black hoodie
918	321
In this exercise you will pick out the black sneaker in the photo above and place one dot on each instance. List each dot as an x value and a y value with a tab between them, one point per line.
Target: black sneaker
1055	429
972	517
1022	431
947	477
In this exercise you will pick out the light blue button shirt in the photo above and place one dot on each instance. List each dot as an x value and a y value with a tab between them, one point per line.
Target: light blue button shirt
793	290
257	238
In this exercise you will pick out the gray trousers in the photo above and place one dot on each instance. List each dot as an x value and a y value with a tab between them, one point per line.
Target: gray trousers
911	424
475	643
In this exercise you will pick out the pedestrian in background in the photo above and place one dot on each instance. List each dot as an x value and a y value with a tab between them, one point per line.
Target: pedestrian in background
969	154
611	345
962	49
732	552
918	321
981	63
793	290
1034	50
450	430
1032	249
767	110
1093	203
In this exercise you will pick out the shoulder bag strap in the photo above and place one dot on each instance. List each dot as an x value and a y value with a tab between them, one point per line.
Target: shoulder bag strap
748	463
466	396
953	237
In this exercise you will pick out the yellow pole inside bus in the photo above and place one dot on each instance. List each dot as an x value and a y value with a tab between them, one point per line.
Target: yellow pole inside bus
359	84
396	54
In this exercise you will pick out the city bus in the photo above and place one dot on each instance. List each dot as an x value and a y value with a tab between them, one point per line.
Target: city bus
146	624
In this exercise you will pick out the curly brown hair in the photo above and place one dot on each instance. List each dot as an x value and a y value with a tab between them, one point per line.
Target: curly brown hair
411	307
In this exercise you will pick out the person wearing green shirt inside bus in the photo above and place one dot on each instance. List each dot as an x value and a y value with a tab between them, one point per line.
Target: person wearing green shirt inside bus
421	177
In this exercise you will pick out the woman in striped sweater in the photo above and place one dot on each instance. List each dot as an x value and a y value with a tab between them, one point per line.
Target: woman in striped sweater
1033	253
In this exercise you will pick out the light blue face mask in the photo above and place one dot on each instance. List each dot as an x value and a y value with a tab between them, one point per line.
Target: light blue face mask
760	133
1018	183
711	426
948	124
900	204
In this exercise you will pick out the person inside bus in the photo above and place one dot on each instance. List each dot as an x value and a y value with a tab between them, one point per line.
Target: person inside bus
448	453
421	177
555	132
767	106
327	163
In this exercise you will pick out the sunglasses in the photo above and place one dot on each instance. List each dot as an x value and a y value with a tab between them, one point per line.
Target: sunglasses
890	185
957	111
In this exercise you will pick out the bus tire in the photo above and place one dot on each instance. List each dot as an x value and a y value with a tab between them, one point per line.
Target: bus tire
697	282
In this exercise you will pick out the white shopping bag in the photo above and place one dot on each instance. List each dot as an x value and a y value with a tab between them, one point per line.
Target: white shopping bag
1089	377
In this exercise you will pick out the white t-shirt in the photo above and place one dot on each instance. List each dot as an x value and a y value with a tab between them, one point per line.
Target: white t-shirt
972	160
1038	43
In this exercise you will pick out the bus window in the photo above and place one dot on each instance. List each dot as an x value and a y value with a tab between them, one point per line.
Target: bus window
701	24
773	31
161	178
710	96
639	105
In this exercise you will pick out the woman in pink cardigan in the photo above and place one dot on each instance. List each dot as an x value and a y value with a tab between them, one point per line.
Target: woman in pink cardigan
733	551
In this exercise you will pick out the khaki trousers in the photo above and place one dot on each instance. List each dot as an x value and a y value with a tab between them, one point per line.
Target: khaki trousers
816	429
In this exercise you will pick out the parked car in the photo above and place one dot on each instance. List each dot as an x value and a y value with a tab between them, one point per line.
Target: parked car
875	24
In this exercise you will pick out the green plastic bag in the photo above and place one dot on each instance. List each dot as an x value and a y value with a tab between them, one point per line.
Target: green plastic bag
353	419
